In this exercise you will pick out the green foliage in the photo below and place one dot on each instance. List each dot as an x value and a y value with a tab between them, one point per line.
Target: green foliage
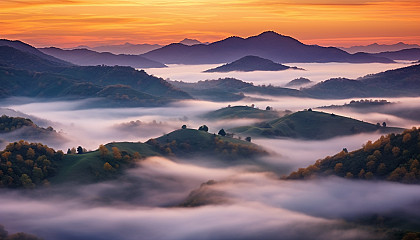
392	157
27	165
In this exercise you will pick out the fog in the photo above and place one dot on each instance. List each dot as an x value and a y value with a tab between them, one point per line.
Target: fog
245	201
313	71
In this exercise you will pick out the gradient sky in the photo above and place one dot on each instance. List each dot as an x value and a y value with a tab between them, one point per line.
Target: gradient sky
67	23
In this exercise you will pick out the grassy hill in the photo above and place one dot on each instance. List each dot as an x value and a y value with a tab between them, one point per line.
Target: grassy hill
237	112
188	142
311	125
394	157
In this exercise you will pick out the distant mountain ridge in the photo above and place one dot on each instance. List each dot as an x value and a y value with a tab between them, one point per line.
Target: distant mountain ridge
250	64
126	48
270	45
378	48
85	57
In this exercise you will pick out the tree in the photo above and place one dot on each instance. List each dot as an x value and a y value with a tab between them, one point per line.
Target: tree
203	128
26	181
248	139
384	124
68	151
103	151
268	108
184	126
30	154
116	152
222	132
107	166
79	150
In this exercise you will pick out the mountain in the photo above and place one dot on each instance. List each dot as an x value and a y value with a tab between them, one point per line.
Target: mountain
311	125
268	45
26	48
126	48
393	157
251	63
298	82
85	57
237	112
230	89
411	54
392	83
190	42
14	58
377	48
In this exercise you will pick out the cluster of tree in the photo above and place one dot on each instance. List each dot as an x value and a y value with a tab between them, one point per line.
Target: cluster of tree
361	103
392	157
113	158
8	124
4	235
78	150
27	165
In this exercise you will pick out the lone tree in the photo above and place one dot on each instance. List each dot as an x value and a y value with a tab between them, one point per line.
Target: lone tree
184	126
203	128
384	124
268	108
222	132
248	139
79	150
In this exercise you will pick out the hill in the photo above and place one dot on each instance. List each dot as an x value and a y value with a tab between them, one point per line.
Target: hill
411	54
393	157
17	128
378	48
26	48
126	48
85	57
269	45
249	64
360	104
237	112
311	125
231	89
190	142
298	82
404	82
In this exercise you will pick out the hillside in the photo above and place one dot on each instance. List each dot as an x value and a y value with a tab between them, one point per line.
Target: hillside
27	165
298	82
237	112
411	54
360	104
311	125
85	57
17	128
250	64
269	45
231	89
404	82
126	48
378	48
393	157
191	142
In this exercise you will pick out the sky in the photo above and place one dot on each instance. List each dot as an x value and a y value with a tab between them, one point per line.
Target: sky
69	23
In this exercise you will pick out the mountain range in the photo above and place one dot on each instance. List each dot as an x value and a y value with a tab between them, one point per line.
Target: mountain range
85	57
270	45
377	48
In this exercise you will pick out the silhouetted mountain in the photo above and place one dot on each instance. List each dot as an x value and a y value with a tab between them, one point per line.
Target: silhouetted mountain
298	82
21	46
15	58
311	125
230	89
86	57
268	45
251	63
190	42
377	48
411	54
126	48
392	83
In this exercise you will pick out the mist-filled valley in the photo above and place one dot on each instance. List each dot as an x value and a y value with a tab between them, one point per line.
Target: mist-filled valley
168	171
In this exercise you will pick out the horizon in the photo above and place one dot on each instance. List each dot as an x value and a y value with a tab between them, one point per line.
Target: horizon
65	24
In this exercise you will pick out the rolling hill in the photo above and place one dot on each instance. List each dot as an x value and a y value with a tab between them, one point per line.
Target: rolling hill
237	112
270	45
393	157
250	64
85	57
378	48
310	125
411	54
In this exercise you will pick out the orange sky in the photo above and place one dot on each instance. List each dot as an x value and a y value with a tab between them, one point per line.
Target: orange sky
67	23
